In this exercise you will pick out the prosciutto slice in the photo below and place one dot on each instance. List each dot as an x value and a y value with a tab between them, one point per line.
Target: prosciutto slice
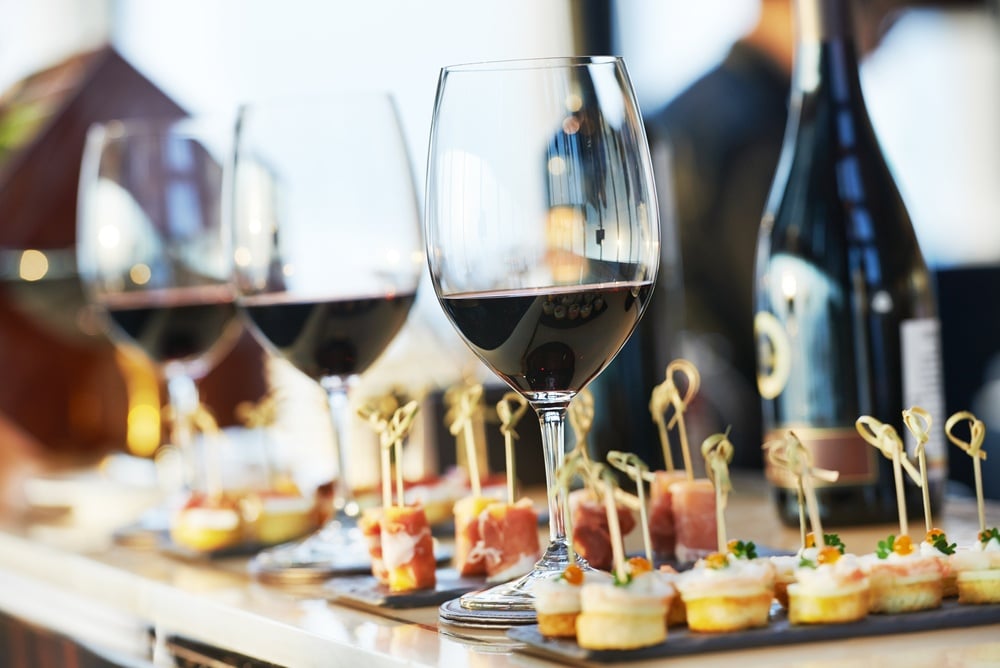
693	503
508	545
591	536
369	523
661	513
469	560
407	548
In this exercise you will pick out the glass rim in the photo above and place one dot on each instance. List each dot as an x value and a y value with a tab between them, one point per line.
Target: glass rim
550	62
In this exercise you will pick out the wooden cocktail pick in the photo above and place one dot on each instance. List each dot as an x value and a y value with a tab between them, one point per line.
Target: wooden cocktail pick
974	448
792	455
918	422
667	395
509	417
886	440
465	408
398	428
632	466
717	450
378	413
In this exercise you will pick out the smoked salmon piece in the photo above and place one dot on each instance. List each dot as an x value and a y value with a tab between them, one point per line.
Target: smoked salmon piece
693	503
407	548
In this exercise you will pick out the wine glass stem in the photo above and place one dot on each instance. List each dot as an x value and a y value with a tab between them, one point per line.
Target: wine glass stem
338	399
552	420
184	400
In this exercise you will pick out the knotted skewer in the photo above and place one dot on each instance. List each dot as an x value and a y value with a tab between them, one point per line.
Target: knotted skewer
717	450
509	417
377	414
398	428
465	409
638	471
792	455
918	421
974	448
667	395
886	440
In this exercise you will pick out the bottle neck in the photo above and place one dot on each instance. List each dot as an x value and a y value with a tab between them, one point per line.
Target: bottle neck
825	52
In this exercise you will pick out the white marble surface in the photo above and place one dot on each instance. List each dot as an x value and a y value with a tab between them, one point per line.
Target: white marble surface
112	596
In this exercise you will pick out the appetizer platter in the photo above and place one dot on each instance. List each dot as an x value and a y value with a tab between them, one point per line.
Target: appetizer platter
733	598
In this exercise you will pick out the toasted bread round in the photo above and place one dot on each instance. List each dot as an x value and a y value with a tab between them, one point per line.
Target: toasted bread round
558	625
728	613
977	587
810	608
599	630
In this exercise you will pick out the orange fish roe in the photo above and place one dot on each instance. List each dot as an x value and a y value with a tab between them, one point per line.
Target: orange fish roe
639	565
573	575
716	560
933	535
903	546
810	539
828	555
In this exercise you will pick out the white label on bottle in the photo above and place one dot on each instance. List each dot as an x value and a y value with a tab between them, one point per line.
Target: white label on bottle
923	385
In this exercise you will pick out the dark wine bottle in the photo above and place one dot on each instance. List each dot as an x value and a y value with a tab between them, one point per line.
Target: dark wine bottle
845	314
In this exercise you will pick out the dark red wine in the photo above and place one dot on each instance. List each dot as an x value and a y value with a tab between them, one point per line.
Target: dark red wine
175	325
846	317
554	340
329	338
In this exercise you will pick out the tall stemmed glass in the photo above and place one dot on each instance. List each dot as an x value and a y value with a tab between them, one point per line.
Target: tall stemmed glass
328	256
542	238
153	253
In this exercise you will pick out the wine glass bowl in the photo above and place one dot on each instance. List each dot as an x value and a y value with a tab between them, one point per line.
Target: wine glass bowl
153	249
328	255
542	237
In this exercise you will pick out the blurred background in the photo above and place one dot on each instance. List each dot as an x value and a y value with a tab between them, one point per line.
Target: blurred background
931	78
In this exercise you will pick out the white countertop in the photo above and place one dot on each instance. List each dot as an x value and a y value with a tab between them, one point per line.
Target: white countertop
114	596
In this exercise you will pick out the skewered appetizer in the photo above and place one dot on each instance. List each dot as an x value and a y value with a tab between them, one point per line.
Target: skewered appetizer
508	544
661	513
370	525
677	612
728	592
407	548
695	518
557	601
276	516
624	614
978	569
902	579
208	522
786	565
830	588
591	535
469	560
936	544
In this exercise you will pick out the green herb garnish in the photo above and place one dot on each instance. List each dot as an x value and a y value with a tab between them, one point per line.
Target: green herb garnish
833	540
988	535
806	563
940	543
743	550
885	547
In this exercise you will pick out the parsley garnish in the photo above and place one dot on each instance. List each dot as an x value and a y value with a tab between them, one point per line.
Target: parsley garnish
745	550
885	547
806	563
833	540
621	582
941	544
988	535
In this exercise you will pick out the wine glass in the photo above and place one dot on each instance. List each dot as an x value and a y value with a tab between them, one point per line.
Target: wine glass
542	239
328	255
153	256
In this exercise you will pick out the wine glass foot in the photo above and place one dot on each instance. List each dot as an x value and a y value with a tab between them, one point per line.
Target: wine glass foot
517	595
337	548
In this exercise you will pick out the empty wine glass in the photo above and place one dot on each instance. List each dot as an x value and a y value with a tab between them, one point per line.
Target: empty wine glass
153	254
328	255
542	238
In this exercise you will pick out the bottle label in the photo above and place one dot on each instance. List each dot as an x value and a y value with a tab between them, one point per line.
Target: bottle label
923	385
838	449
774	355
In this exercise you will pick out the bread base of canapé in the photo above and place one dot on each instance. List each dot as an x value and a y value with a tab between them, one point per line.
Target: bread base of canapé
891	596
677	612
838	608
558	625
728	613
599	630
977	587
